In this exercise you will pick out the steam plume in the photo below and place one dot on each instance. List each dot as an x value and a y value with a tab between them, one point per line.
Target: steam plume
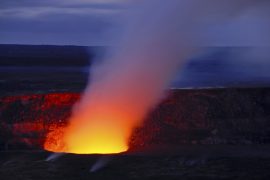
129	83
158	38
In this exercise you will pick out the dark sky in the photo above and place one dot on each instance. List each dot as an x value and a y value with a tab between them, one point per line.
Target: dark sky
77	22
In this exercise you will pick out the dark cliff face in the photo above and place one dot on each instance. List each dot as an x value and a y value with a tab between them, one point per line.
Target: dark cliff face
45	55
206	116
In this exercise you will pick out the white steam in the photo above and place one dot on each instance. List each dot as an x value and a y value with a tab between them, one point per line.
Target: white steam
159	36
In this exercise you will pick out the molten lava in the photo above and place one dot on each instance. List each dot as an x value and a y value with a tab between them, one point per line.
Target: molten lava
91	133
99	138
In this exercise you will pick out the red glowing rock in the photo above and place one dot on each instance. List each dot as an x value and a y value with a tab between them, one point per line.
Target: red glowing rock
186	116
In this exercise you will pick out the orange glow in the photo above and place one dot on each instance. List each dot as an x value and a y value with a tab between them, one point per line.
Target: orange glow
54	139
91	133
101	139
103	120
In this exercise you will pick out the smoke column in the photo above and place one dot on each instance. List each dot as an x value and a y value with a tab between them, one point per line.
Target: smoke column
158	38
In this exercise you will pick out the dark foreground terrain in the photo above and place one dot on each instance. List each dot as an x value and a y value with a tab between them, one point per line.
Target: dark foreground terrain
193	162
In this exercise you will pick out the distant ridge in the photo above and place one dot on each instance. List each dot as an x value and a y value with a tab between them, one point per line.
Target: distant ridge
46	55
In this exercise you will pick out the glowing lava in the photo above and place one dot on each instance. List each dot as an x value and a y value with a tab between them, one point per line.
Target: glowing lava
100	138
96	138
90	133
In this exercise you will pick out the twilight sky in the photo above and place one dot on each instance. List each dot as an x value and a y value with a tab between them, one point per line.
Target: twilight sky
90	22
75	22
